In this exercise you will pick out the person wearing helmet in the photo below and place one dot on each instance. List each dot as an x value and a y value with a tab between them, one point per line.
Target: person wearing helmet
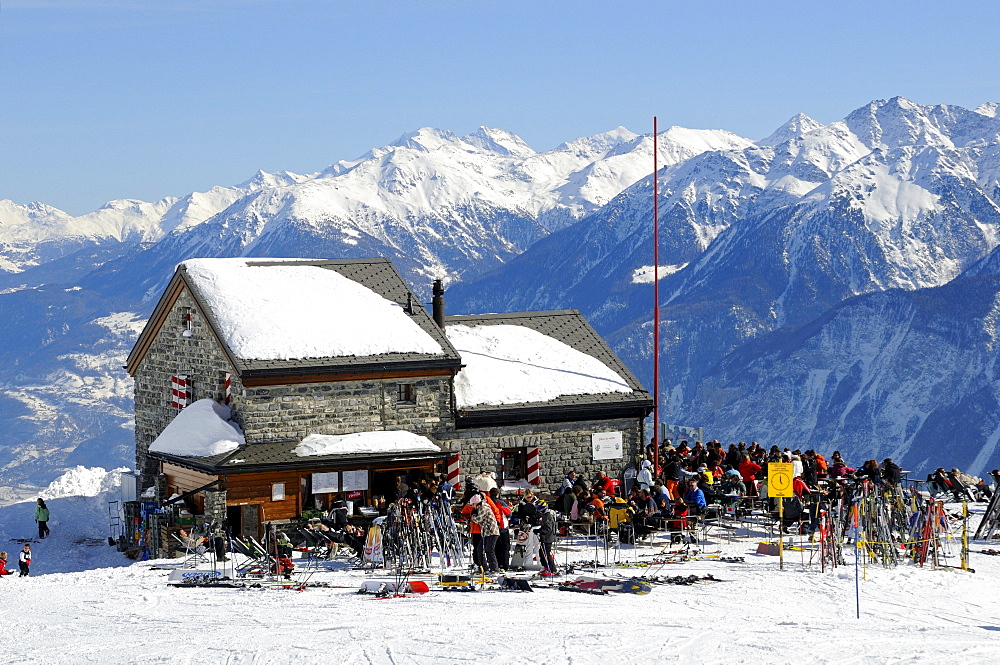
547	531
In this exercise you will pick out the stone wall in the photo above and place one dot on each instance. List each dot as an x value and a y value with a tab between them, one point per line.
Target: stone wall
215	510
562	447
197	356
282	413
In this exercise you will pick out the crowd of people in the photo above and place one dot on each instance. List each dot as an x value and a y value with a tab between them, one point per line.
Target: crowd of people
674	487
689	479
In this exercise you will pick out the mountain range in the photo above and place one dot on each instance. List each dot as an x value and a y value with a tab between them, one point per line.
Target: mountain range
832	286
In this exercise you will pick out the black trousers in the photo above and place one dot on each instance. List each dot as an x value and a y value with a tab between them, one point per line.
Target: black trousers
24	568
43	530
503	549
547	560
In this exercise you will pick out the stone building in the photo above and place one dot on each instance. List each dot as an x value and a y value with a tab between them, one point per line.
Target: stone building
263	386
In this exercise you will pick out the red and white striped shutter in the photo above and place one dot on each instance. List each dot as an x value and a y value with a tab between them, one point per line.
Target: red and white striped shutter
455	469
178	392
534	466
227	395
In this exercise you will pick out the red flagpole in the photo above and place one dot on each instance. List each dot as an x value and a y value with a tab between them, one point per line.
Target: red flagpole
656	311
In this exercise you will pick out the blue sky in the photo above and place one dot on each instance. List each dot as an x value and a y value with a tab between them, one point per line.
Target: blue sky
104	99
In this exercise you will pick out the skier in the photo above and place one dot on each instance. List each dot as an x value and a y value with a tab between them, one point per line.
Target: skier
42	516
24	560
547	537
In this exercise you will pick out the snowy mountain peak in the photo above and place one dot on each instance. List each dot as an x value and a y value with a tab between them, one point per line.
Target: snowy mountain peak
499	141
988	109
425	139
899	122
598	144
263	179
796	126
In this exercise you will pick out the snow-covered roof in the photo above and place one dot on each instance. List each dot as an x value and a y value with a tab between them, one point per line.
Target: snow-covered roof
513	364
199	430
284	310
365	443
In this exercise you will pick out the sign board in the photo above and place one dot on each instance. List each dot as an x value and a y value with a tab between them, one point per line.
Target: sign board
779	480
323	483
357	494
678	433
607	445
354	480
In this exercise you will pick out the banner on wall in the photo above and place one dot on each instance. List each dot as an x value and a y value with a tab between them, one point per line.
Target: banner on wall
607	445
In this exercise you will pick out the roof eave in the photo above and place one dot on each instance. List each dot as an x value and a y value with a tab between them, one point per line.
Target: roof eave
318	462
534	414
447	363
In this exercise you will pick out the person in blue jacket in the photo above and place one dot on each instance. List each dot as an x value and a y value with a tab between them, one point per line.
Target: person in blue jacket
695	498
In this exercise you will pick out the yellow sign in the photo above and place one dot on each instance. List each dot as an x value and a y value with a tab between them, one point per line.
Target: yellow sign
779	479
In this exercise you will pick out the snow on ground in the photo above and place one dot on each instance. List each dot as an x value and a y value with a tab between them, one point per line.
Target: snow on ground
84	604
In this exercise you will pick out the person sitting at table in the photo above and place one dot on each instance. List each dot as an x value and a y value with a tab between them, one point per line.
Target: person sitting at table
603	483
733	484
695	498
891	473
597	506
680	520
711	492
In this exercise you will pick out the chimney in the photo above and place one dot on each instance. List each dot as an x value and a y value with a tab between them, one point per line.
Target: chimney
437	304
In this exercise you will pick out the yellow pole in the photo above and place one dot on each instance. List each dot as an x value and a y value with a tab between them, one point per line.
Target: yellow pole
965	535
781	533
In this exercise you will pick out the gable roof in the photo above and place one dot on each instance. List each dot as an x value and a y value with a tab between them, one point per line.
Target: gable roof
283	317
606	398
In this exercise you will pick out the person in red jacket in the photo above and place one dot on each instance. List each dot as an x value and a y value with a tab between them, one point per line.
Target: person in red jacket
748	470
603	483
3	565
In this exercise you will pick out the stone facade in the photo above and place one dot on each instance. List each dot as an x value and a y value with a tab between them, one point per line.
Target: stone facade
562	446
215	509
273	413
196	355
287	412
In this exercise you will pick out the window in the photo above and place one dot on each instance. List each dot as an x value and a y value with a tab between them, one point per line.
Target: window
406	393
187	321
514	465
277	491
